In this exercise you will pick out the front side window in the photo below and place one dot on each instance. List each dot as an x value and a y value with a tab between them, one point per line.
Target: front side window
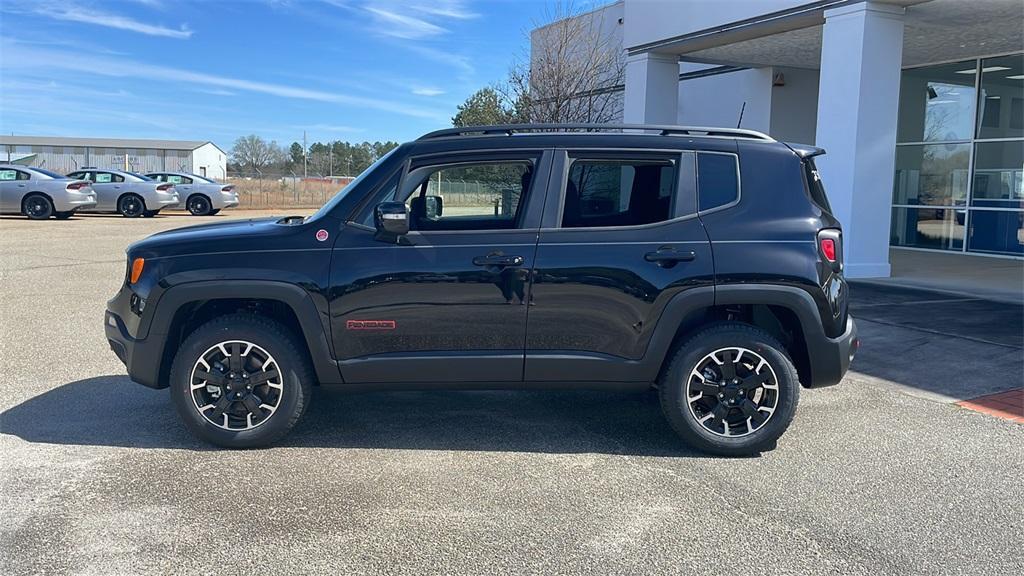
472	196
103	177
607	193
718	180
8	175
173	178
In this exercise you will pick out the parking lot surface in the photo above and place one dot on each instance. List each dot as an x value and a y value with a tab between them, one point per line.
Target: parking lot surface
881	474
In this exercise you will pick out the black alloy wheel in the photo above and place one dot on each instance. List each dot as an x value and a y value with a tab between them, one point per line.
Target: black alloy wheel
37	207
131	206
198	205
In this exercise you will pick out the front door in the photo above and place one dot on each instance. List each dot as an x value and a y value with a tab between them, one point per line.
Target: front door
620	238
449	302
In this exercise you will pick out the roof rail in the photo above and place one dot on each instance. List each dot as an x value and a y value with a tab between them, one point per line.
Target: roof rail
664	130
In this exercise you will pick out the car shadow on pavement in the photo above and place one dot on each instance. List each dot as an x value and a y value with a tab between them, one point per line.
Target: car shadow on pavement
113	411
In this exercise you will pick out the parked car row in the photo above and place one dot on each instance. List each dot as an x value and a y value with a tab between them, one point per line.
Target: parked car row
40	194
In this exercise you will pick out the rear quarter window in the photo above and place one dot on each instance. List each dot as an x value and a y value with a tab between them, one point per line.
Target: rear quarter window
718	180
815	187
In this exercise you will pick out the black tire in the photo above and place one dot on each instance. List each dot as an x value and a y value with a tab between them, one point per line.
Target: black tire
131	206
63	215
198	205
693	354
295	380
214	212
37	207
150	213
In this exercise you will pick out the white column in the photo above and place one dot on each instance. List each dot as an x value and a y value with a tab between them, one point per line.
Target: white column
861	53
652	89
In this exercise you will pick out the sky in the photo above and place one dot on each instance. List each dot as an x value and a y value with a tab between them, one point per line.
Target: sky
216	70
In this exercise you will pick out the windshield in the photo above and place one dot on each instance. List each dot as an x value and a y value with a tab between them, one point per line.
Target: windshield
350	186
198	178
48	173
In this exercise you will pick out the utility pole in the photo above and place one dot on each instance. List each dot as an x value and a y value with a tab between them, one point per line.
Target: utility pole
305	152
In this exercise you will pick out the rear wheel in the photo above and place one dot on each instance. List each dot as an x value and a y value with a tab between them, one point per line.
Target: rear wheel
131	206
241	381
730	390
198	205
37	207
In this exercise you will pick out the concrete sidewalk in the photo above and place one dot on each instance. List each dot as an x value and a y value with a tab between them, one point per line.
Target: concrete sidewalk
937	345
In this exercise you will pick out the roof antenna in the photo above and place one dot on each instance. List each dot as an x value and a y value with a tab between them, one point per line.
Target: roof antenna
742	108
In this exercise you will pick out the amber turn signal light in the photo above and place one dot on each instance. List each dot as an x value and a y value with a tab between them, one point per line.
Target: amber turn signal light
137	265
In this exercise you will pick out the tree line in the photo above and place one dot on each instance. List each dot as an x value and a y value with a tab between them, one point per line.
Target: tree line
253	155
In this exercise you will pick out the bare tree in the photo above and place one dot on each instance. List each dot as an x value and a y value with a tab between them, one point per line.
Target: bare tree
252	153
575	71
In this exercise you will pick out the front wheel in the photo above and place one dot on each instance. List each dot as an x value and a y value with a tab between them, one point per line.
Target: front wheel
730	390
241	381
131	206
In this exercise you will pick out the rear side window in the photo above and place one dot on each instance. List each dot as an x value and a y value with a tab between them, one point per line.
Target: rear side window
815	186
604	193
718	180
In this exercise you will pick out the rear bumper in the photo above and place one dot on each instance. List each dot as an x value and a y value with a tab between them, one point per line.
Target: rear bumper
70	203
830	357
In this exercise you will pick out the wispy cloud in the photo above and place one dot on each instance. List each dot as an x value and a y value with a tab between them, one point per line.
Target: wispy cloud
331	128
447	9
70	11
427	91
216	92
16	56
402	26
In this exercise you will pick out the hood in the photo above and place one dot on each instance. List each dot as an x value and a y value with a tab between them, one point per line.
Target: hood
214	237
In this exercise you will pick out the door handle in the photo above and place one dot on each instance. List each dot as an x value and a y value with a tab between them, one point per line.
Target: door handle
669	257
498	260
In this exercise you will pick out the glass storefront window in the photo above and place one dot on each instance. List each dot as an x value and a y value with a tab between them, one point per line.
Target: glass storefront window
997	232
999	175
1001	102
932	174
937	103
936	228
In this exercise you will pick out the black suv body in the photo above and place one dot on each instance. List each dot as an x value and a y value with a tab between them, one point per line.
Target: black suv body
702	262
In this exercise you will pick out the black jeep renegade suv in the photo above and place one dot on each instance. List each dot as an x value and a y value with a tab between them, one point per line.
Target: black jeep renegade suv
701	262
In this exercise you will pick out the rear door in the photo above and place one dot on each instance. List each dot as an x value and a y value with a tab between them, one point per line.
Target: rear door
449	302
12	189
620	238
108	187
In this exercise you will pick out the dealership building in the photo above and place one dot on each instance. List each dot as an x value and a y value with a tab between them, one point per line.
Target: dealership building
69	154
919	104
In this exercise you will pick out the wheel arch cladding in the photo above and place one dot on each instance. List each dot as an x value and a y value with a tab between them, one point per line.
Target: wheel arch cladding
182	309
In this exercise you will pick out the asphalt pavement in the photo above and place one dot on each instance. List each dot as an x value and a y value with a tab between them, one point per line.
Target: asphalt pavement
881	474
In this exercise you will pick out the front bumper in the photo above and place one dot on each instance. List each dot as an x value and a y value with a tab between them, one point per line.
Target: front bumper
141	356
830	358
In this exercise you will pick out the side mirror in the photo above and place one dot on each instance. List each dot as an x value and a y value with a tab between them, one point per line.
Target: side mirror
391	220
427	207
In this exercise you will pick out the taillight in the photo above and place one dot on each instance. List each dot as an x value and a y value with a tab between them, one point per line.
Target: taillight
77	185
165	187
227	189
830	246
828	249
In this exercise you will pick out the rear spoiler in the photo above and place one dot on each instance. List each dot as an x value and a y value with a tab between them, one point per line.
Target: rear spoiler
805	151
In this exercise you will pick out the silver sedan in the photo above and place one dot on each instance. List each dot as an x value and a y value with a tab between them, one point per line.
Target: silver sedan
128	193
39	193
202	196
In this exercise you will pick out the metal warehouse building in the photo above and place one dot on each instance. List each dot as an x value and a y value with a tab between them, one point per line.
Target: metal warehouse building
68	154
